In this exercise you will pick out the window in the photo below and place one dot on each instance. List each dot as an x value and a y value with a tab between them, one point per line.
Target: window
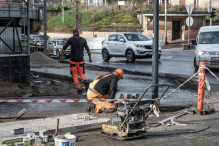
136	37
120	37
112	38
209	38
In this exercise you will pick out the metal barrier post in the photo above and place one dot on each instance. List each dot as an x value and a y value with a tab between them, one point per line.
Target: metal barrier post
201	86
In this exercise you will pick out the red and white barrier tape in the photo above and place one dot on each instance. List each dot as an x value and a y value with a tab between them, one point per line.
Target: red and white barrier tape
69	100
183	83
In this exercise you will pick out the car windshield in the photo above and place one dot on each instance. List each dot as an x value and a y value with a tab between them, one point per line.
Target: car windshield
59	42
136	37
40	38
209	37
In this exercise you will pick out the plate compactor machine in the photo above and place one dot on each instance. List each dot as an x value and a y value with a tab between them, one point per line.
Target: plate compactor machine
131	116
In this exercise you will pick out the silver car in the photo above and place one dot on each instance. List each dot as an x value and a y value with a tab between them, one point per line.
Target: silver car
130	45
56	44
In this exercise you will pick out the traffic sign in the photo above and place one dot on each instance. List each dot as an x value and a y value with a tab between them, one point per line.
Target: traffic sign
191	9
79	16
79	26
191	21
121	2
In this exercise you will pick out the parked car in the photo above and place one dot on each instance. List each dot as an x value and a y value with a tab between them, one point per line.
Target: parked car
207	47
129	45
37	41
57	45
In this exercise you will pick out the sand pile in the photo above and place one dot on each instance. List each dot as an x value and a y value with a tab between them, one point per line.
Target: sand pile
39	60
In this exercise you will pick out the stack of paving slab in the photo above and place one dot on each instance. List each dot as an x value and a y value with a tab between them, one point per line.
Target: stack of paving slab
68	123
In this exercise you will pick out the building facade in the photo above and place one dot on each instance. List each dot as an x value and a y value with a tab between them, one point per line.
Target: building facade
176	24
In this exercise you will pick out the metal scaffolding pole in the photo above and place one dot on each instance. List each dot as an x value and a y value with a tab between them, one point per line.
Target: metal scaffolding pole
155	49
28	27
45	28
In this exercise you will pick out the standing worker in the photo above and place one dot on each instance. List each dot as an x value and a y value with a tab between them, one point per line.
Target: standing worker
77	59
104	86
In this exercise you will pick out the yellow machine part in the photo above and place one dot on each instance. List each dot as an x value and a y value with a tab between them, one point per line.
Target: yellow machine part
112	130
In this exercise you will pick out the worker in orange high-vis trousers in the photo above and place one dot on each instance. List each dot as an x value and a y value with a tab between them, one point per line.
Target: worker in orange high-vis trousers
104	87
77	59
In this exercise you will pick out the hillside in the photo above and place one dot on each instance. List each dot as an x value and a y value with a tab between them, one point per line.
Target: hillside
94	19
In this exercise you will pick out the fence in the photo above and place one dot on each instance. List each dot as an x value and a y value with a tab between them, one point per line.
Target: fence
10	37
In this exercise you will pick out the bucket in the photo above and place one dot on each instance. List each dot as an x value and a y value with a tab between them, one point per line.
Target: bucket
65	140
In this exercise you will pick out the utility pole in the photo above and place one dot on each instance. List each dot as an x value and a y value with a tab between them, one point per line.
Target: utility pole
210	11
77	14
45	29
155	49
28	27
189	26
165	22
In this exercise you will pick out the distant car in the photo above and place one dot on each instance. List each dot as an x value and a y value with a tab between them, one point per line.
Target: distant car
207	47
129	45
57	45
37	43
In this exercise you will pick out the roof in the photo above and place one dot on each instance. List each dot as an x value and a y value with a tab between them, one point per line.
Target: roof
200	14
209	28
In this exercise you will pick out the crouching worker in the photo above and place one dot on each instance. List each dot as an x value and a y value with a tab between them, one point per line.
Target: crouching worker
104	87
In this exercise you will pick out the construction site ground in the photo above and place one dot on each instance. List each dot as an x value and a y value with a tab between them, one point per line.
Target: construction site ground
165	135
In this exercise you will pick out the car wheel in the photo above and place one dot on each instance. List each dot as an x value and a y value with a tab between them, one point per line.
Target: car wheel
105	55
130	56
67	56
195	65
58	54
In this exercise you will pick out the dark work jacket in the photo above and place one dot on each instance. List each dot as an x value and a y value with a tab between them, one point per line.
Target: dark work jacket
77	48
107	85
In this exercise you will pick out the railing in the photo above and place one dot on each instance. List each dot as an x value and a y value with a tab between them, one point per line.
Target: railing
9	5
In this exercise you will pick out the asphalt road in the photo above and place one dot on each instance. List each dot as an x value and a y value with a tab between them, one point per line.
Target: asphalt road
174	60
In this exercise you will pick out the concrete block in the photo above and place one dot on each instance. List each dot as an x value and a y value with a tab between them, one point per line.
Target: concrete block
43	133
127	96
45	139
135	95
17	131
75	117
86	117
31	135
119	96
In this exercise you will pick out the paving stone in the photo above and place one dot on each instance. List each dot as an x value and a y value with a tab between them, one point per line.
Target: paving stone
43	133
87	117
75	117
45	139
17	131
119	96
127	96
135	96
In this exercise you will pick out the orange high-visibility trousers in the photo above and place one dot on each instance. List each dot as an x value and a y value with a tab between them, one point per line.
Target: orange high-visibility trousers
99	105
77	69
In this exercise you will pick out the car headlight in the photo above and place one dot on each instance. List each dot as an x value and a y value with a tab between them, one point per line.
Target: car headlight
140	46
141	52
202	53
39	44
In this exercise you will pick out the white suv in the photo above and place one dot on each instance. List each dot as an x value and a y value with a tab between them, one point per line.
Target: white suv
129	45
207	47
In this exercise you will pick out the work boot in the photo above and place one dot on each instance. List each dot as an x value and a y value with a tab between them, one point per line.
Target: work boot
111	110
79	92
90	107
86	84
